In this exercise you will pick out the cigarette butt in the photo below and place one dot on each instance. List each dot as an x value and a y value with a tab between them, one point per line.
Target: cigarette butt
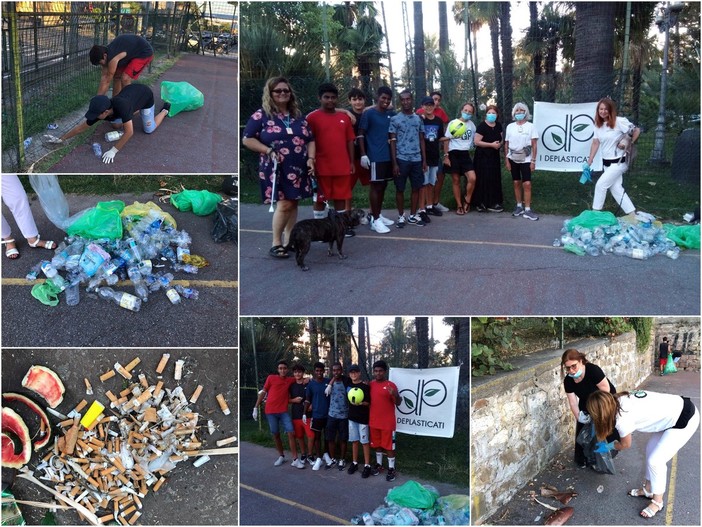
122	400
137	501
143	381
184	431
48	456
122	479
101	431
210	426
115	507
196	394
143	397
104	519
71	438
140	470
125	392
128	511
179	369
151	415
201	461
160	482
96	442
111	397
80	406
95	422
106	471
120	369
226	441
91	415
107	375
88	387
117	463
134	518
162	364
67	422
223	404
129	367
94	482
190	452
157	390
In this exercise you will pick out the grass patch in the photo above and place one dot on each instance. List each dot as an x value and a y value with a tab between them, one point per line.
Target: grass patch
138	184
429	458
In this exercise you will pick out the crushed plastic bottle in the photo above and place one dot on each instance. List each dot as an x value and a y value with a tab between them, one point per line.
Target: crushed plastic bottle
33	273
97	149
122	299
173	296
72	295
114	135
187	292
367	519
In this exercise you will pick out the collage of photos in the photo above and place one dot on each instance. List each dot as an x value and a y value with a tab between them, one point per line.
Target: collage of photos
266	263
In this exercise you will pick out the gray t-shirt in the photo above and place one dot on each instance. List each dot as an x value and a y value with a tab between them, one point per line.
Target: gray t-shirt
338	403
407	129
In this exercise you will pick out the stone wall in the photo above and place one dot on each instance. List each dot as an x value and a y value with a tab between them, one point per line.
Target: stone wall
684	336
520	419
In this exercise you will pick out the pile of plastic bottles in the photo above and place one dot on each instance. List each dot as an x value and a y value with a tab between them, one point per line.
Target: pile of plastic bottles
448	510
640	240
148	246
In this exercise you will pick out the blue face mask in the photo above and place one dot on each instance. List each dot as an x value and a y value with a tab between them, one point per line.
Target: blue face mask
491	117
520	116
466	116
576	374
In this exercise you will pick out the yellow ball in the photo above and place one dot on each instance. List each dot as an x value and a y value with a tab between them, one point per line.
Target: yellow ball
457	128
355	396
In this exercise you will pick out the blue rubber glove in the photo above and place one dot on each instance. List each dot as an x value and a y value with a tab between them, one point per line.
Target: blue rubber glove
603	447
586	177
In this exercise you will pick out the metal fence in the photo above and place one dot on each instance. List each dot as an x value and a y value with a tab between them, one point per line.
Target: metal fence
46	73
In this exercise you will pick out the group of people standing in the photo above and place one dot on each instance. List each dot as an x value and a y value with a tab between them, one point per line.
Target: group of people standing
329	412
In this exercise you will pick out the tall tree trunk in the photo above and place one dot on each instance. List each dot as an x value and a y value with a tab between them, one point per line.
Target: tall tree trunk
533	24
550	72
594	51
362	343
387	47
443	29
422	326
507	61
495	42
461	358
636	93
420	64
314	338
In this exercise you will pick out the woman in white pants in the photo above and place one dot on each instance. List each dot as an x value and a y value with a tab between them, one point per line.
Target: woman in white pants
610	130
14	196
670	419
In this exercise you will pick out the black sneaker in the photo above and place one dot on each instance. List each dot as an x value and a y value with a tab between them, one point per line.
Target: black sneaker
425	217
481	208
390	476
366	471
434	211
496	208
330	465
350	233
353	467
377	469
166	106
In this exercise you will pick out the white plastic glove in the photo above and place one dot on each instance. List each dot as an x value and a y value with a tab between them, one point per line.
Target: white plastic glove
254	414
48	138
328	389
365	162
109	156
304	419
584	418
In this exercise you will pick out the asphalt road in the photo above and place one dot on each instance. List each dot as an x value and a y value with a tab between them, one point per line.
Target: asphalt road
477	264
209	321
206	495
289	496
200	141
613	506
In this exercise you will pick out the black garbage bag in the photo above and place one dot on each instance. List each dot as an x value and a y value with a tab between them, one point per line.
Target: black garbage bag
599	462
226	221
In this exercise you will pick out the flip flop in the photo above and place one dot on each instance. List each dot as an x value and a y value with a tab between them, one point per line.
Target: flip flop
48	244
278	251
11	252
460	211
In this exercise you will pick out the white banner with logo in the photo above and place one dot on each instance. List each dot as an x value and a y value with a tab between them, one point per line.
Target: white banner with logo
565	136
428	406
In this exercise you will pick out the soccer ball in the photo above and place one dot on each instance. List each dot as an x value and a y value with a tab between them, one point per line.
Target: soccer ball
457	128
355	396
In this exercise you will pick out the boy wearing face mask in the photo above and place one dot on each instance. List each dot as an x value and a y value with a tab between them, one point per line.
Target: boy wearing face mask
581	378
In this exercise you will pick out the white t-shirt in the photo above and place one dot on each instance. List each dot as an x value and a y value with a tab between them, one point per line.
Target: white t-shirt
644	411
609	137
465	142
519	136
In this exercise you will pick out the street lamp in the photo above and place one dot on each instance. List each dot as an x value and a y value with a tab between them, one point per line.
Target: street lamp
666	18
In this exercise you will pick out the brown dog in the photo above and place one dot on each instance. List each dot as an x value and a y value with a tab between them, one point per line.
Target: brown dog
330	229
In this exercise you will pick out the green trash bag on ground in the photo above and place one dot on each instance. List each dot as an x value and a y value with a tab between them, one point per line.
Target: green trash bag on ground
201	202
589	219
47	293
686	236
670	365
412	495
102	221
183	97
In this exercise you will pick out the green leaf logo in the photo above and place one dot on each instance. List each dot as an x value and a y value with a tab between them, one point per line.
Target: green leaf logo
580	127
409	403
557	139
431	392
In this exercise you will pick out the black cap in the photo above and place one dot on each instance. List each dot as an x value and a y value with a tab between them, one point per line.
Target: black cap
354	367
98	104
427	100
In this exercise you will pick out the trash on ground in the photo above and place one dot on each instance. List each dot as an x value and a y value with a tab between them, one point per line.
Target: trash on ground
559	517
563	496
183	96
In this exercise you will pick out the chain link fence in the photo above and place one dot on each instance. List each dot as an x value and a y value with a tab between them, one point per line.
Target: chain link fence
46	73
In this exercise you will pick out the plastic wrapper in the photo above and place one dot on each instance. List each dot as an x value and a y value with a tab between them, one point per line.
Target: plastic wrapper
102	221
201	202
455	508
412	494
183	96
139	210
590	219
53	201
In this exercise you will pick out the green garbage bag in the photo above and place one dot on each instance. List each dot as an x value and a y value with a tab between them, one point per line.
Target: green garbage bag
201	202
183	97
589	219
686	236
102	221
47	293
412	495
670	365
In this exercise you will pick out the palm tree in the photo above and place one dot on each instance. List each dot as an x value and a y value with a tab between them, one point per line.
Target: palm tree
443	29
422	327
419	60
432	57
594	50
507	59
314	338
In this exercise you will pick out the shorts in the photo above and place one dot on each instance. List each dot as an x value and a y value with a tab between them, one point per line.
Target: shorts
662	362
520	171
461	162
134	67
334	187
284	418
301	429
361	174
430	175
411	170
334	426
381	438
318	424
381	171
359	432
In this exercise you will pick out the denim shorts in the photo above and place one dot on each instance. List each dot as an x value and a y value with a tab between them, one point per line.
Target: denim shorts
284	418
359	432
430	175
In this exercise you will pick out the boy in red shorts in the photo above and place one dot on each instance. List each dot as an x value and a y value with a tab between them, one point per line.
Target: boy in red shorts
301	425
384	399
121	60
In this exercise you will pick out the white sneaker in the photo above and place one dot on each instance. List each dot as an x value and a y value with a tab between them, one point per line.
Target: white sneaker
441	207
298	463
385	220
327	458
317	464
279	461
378	226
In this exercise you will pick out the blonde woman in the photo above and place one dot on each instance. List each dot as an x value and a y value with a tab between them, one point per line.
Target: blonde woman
671	420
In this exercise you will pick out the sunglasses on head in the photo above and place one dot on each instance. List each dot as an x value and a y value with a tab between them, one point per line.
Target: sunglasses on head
281	90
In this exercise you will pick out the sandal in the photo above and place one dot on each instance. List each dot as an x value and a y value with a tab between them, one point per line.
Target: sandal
48	244
460	211
648	512
641	493
11	252
278	251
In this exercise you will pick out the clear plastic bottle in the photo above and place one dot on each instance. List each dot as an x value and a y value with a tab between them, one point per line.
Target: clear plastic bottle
673	253
187	292
72	295
367	519
33	272
48	269
59	282
97	149
173	295
139	284
186	268
122	299
592	250
114	135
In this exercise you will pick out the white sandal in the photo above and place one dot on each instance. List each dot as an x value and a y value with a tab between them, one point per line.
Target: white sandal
48	244
648	512
11	253
641	493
